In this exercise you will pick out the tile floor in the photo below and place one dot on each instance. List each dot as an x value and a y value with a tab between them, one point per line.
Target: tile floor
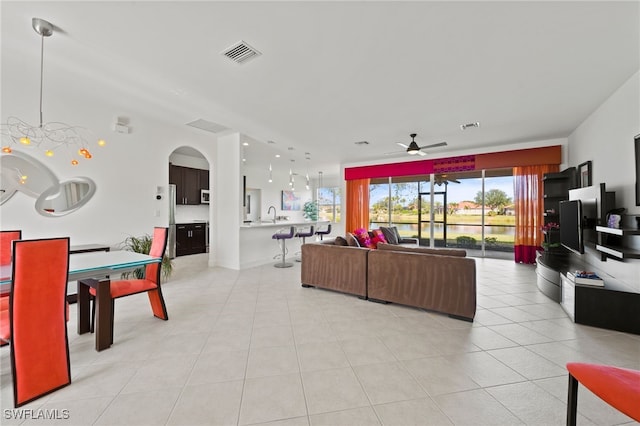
254	347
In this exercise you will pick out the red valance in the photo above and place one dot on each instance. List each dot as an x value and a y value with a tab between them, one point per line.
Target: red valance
495	160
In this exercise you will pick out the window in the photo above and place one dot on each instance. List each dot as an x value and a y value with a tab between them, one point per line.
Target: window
329	204
473	210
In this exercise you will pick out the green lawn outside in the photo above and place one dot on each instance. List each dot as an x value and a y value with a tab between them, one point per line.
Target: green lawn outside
498	220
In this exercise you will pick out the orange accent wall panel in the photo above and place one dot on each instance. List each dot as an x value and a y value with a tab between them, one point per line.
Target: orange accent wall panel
520	157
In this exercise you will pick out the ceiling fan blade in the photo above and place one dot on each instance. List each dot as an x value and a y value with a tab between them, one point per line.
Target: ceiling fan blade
454	180
434	145
403	145
422	154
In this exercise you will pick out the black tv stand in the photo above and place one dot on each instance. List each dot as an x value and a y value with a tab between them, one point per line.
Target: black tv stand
604	307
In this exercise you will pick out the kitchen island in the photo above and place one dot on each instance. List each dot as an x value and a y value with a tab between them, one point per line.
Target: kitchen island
257	246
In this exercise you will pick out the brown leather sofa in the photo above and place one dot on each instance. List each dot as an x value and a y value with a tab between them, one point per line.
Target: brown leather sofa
339	268
441	280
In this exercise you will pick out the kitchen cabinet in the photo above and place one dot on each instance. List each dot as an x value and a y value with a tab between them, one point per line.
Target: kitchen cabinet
204	179
188	182
191	238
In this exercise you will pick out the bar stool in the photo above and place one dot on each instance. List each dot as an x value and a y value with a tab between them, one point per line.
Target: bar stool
324	232
304	233
282	237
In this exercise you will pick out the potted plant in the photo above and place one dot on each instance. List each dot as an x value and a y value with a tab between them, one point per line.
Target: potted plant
310	210
143	245
551	232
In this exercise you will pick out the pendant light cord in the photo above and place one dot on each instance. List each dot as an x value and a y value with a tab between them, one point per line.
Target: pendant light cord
41	73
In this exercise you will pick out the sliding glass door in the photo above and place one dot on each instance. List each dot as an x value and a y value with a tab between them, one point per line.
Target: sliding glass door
470	210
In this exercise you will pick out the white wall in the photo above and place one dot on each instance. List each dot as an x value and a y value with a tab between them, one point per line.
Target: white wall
127	173
606	139
226	203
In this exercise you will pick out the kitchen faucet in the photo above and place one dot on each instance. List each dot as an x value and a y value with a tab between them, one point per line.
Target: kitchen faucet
274	213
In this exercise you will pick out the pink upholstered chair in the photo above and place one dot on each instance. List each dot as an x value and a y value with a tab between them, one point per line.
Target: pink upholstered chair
38	318
6	239
150	284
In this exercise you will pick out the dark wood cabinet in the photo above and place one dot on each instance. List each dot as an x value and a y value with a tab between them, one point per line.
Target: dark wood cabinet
188	182
190	238
204	179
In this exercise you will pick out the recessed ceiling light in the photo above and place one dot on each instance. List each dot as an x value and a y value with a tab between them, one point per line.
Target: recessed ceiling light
469	125
277	155
245	143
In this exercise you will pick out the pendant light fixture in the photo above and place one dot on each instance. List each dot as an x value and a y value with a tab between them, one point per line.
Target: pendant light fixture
47	137
307	156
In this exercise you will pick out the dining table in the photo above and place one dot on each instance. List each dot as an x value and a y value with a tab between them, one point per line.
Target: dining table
94	269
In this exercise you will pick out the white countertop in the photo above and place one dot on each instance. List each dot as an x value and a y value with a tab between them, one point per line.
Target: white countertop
278	224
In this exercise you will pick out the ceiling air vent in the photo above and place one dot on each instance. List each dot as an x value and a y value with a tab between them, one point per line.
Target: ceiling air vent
240	52
209	126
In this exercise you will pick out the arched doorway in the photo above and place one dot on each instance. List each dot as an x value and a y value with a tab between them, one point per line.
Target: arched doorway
189	177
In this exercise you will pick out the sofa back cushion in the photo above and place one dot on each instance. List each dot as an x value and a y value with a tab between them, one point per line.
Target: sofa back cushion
339	241
425	250
351	240
391	234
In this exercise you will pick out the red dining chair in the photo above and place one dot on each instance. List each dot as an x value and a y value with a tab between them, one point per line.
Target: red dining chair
618	387
6	237
149	284
37	312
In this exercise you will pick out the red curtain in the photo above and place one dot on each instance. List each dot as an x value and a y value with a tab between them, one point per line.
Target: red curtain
357	204
529	205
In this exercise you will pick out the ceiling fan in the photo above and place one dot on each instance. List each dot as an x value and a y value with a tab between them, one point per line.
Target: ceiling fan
414	149
444	179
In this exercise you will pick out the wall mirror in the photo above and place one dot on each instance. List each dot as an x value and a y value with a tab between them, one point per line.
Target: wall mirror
66	197
21	172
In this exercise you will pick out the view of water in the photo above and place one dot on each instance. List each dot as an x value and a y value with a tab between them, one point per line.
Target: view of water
490	230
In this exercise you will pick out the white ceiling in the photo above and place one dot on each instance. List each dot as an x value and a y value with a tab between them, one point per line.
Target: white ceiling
334	73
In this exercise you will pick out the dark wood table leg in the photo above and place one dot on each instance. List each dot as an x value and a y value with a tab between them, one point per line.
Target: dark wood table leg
104	324
83	307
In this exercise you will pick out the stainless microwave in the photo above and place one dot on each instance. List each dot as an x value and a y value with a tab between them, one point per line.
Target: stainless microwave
204	196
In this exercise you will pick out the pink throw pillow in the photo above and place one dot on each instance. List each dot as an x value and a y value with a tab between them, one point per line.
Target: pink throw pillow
363	238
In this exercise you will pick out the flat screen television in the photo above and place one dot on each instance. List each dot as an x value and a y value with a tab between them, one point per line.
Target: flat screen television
571	226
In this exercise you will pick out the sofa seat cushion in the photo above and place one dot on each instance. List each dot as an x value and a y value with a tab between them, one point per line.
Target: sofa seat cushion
425	250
